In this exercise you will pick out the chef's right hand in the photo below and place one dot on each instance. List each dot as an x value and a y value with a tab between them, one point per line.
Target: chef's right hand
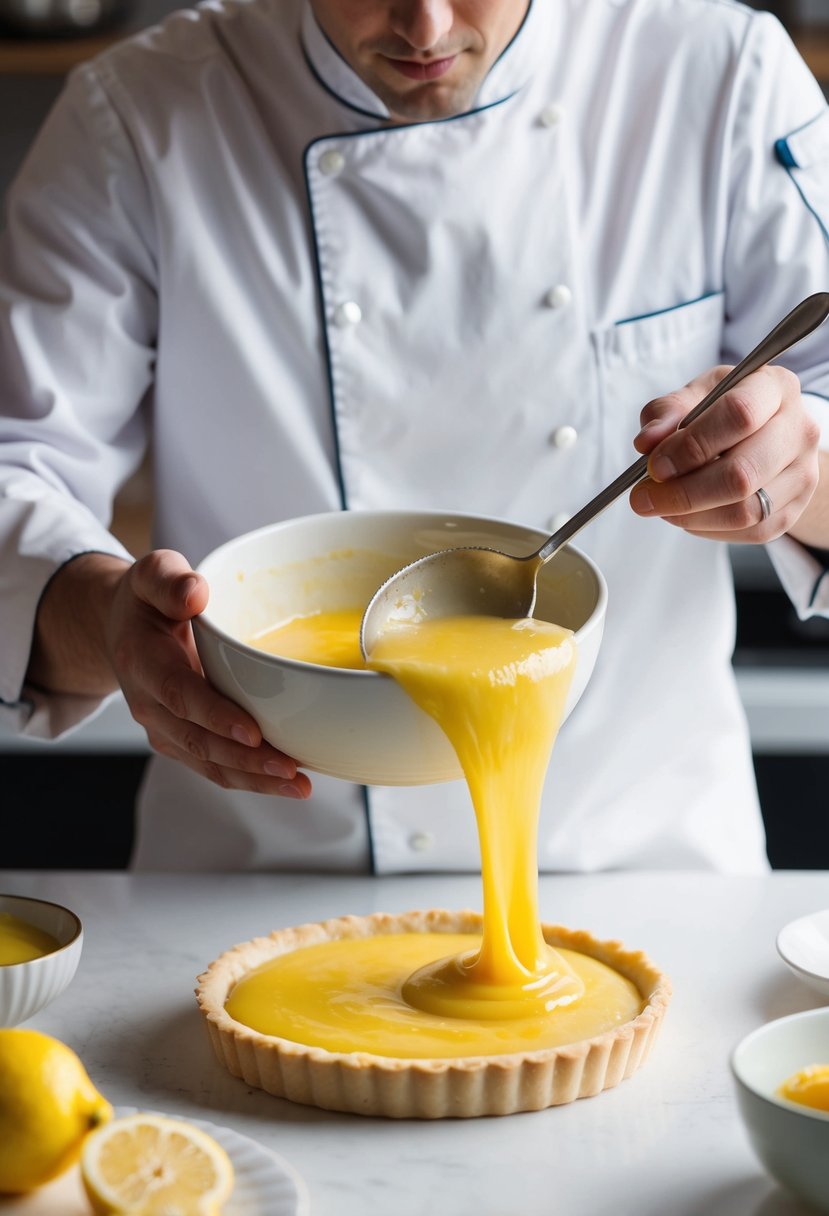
150	644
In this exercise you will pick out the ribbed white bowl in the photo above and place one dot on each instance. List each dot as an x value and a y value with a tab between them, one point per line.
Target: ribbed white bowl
26	988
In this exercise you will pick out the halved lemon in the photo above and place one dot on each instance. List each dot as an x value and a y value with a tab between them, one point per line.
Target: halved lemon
154	1165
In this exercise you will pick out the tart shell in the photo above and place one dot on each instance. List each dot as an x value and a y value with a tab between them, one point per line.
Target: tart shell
466	1087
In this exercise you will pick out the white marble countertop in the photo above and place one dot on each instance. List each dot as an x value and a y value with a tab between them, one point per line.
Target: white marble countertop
666	1142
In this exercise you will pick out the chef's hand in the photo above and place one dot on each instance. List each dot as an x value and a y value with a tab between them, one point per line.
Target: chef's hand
150	644
705	477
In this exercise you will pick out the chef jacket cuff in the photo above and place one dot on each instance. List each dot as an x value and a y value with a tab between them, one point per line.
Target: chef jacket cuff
24	710
39	715
804	577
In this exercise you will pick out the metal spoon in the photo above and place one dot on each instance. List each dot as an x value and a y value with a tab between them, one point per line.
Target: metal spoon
486	582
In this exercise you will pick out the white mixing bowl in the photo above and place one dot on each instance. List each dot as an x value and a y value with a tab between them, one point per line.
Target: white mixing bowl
360	725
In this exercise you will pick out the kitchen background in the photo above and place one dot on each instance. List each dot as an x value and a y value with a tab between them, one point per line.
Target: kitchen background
69	804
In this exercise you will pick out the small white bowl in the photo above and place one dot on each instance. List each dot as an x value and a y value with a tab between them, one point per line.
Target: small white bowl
791	1141
26	988
803	945
360	725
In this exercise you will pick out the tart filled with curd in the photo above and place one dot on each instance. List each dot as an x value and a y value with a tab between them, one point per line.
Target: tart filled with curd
440	1013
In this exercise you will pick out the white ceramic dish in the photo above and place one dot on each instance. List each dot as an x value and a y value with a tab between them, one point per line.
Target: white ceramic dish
360	725
803	945
26	988
264	1183
791	1141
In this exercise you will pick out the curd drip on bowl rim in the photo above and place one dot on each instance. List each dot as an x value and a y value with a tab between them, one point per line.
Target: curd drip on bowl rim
498	690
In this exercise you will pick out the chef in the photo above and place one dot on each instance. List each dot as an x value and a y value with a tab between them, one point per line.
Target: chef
345	254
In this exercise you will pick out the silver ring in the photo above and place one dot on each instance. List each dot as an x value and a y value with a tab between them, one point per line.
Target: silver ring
766	505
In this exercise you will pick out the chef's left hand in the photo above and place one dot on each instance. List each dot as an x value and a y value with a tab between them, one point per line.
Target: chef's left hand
705	477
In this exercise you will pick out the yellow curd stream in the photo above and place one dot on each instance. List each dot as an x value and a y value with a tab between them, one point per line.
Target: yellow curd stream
498	690
20	942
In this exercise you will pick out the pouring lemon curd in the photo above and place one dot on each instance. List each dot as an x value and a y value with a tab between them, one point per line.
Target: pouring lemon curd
442	986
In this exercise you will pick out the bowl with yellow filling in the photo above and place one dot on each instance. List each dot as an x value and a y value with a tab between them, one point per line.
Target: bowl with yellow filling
280	634
781	1073
440	1013
40	948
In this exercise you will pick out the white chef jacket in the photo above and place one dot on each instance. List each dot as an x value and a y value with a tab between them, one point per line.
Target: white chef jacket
218	237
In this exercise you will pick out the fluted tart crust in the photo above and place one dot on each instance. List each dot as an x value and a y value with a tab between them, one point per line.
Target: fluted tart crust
462	1087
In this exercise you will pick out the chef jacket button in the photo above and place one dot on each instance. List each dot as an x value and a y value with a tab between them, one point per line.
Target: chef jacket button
550	116
557	521
421	842
564	436
332	162
558	296
348	313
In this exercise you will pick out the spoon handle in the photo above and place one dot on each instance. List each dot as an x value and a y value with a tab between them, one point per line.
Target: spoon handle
805	317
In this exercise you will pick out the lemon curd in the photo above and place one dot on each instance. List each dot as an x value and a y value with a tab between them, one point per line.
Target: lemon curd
498	690
349	995
20	942
331	639
809	1087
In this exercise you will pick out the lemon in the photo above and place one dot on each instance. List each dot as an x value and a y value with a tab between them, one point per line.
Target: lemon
154	1165
48	1105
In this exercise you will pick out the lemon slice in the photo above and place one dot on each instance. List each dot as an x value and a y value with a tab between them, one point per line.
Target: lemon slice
153	1165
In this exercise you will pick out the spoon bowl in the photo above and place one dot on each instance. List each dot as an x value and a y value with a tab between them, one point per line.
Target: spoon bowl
475	581
434	586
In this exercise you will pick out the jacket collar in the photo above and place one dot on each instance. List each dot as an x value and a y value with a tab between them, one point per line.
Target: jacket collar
510	72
